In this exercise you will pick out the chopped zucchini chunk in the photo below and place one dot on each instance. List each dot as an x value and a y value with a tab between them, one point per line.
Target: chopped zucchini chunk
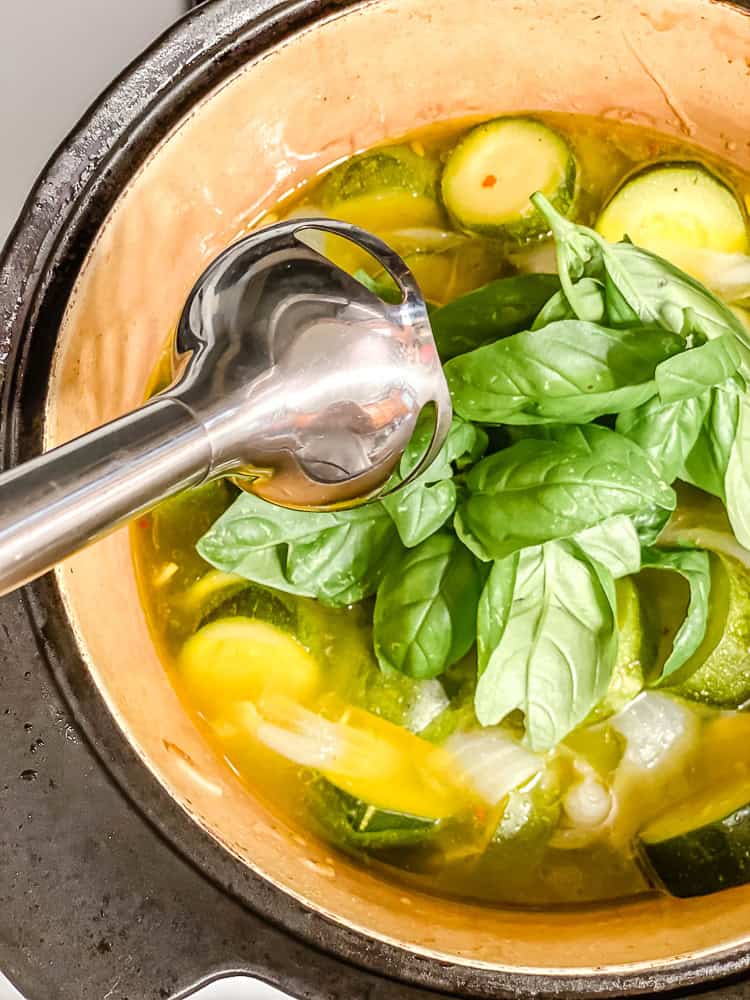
390	188
493	171
675	205
240	659
354	824
703	844
635	651
718	673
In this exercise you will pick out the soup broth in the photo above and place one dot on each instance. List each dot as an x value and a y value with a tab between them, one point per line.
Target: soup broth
378	748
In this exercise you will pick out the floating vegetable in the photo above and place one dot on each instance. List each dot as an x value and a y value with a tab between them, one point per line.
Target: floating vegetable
675	205
493	171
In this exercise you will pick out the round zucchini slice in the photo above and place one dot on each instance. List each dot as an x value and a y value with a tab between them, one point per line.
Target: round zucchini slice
702	845
672	206
357	825
389	188
718	673
493	171
240	659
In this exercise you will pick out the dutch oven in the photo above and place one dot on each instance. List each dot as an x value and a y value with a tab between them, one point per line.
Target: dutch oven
134	864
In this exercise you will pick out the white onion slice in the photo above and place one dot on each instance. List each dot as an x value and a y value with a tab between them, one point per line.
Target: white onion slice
658	730
493	762
429	702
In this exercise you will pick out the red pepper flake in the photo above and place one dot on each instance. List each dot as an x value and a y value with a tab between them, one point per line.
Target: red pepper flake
480	813
144	522
490	181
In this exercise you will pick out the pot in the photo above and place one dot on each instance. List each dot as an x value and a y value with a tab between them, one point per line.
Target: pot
237	105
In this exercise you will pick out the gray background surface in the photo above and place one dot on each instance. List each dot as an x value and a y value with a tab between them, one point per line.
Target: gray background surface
55	57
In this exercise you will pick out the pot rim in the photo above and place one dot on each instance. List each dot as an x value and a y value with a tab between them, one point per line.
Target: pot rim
39	265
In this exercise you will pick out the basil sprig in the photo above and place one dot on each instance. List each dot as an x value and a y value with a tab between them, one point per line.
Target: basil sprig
579	400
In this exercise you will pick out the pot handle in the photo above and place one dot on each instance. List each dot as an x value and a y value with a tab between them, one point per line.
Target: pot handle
70	496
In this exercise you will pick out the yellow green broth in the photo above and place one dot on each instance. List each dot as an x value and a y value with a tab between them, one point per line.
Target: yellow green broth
462	862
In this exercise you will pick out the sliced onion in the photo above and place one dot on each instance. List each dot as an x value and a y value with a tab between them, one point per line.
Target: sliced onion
537	258
658	731
726	274
309	739
430	701
493	762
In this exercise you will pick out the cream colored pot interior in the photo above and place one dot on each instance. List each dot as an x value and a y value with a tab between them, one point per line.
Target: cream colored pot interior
366	74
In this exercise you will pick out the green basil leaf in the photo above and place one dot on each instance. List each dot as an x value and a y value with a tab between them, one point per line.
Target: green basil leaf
423	506
567	371
706	464
553	656
649	523
619	312
420	509
383	286
694	565
494	608
692	372
590	295
667	432
540	489
638	284
737	480
345	563
613	544
425	610
338	556
489	313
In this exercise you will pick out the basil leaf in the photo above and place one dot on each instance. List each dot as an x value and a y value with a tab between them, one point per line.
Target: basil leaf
692	372
694	565
613	544
590	295
338	557
567	371
383	286
737	480
345	563
537	490
638	284
425	610
551	653
649	523
496	310
706	464
494	608
423	506
619	312
420	509
667	432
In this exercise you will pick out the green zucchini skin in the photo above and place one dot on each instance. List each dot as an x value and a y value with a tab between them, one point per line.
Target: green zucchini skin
356	826
670	204
393	168
705	860
719	671
507	214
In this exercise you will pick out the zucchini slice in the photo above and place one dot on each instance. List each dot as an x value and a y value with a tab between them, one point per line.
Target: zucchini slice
240	659
389	188
636	649
671	206
718	673
356	825
702	845
493	171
